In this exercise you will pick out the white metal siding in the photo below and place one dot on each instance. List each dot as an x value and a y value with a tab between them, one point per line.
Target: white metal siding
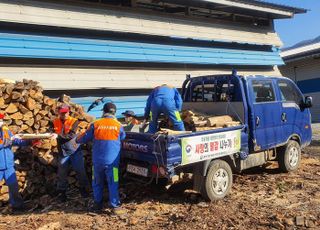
81	78
315	110
32	12
306	69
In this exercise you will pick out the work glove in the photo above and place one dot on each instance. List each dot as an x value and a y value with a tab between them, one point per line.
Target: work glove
7	142
36	143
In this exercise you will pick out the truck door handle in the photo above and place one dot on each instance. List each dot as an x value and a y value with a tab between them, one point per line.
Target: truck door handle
284	117
257	121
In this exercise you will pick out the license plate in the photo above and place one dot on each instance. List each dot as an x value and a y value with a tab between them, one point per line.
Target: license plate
137	170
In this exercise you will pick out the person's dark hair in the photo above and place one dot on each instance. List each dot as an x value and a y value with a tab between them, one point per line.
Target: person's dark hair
110	108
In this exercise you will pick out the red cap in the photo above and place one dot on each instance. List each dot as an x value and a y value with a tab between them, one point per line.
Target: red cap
2	115
64	109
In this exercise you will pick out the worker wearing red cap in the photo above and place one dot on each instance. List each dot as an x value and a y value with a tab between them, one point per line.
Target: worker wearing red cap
70	153
7	170
106	134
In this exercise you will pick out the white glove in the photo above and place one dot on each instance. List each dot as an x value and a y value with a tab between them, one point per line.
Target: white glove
54	136
16	136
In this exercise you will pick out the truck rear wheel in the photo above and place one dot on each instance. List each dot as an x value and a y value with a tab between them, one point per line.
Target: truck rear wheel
290	157
218	182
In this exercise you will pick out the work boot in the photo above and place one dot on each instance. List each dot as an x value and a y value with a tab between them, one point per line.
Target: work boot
62	196
84	193
96	208
19	209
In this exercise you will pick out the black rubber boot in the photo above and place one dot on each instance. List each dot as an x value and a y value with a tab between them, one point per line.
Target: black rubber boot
96	208
62	196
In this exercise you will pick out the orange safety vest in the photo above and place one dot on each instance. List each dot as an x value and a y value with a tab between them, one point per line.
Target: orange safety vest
107	129
5	133
66	126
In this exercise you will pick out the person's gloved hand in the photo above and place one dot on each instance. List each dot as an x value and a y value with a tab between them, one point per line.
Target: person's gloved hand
7	142
143	124
54	136
36	143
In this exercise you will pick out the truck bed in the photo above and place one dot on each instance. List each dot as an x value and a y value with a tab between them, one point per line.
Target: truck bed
171	151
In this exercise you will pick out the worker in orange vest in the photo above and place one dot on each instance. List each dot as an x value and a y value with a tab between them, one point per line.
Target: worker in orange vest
130	120
70	153
106	135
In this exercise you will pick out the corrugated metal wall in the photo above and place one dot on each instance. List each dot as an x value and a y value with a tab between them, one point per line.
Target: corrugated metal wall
66	46
43	13
306	73
93	78
54	47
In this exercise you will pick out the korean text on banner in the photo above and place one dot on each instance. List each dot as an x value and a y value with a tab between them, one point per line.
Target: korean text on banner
205	147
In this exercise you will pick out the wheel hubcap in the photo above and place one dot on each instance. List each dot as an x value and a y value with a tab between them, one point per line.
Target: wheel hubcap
293	156
220	181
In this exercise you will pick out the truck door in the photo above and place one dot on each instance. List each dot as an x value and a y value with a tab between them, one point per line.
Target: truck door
266	114
295	120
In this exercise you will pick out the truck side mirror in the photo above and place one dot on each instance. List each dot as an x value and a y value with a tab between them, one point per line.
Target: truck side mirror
307	102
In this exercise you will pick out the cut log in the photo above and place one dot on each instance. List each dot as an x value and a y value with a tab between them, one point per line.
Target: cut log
28	115
31	104
23	109
38	117
19	85
30	122
18	123
9	89
1	102
49	101
16	95
12	108
44	123
212	121
16	116
24	127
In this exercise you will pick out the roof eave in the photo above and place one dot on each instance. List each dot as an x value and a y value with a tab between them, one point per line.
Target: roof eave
246	7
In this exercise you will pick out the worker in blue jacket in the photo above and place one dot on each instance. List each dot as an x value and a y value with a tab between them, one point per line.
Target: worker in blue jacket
7	170
164	99
106	134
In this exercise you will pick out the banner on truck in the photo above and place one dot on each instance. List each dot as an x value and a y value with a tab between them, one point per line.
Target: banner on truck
205	147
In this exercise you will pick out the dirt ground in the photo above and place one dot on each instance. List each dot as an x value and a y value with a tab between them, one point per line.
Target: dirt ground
260	199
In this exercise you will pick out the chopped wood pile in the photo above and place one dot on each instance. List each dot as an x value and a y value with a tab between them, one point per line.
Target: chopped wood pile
28	110
197	122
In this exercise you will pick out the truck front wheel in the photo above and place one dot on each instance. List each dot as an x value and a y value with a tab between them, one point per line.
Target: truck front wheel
290	157
218	181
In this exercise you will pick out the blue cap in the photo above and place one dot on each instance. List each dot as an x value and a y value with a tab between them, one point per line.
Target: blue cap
129	113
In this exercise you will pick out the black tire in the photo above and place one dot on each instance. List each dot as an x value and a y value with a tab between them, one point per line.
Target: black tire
289	157
213	190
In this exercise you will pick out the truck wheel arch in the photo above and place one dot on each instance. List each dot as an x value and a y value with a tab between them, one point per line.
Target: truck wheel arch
229	159
294	137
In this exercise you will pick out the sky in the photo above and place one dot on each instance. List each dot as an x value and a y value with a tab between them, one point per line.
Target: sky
302	26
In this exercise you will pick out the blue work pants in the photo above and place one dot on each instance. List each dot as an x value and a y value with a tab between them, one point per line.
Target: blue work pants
9	175
109	174
168	107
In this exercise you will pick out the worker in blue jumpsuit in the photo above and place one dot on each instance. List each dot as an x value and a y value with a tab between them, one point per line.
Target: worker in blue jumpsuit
106	134
7	170
164	99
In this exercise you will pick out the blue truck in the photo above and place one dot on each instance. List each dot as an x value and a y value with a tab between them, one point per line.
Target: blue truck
275	123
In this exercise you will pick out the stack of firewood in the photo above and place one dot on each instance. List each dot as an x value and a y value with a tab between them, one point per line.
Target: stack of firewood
199	122
28	110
